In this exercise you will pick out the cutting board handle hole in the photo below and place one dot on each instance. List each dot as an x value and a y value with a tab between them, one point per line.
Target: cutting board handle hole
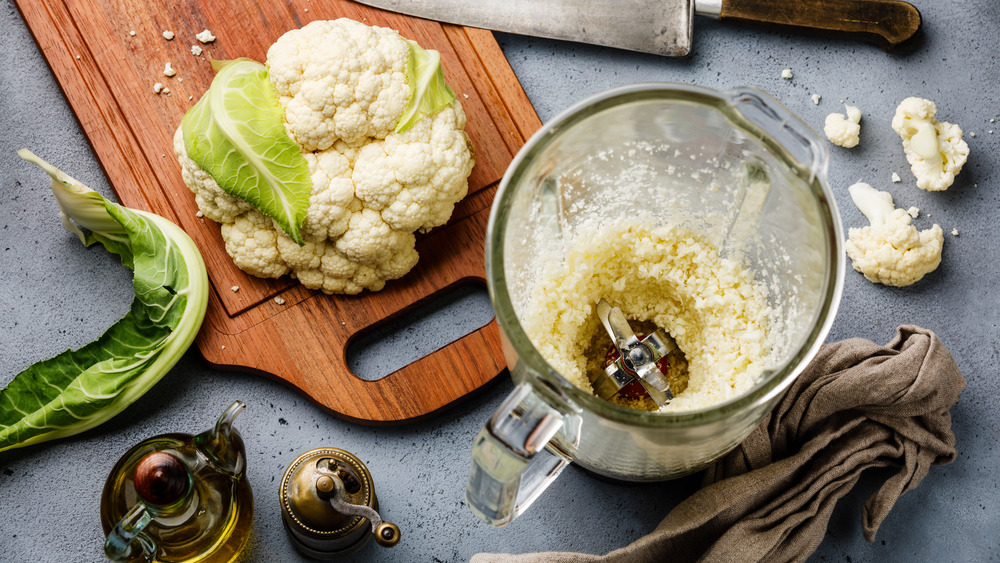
419	330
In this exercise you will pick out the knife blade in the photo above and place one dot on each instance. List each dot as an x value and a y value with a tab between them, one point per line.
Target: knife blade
664	27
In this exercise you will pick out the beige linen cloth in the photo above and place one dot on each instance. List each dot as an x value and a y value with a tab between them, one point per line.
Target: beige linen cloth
857	405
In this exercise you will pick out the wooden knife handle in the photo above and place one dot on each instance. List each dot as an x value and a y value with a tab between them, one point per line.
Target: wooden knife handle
887	23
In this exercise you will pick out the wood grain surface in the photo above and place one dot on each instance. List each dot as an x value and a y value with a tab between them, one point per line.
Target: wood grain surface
107	73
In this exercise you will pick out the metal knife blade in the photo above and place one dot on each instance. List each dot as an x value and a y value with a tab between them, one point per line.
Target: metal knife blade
662	27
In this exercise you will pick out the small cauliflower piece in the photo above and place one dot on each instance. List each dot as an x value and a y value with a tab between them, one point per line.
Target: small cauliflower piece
339	79
891	251
787	74
844	130
934	149
205	36
169	70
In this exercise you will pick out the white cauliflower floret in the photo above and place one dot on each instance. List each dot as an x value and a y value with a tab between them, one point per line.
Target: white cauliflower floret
370	240
935	150
891	251
332	200
415	178
339	79
252	242
844	131
214	203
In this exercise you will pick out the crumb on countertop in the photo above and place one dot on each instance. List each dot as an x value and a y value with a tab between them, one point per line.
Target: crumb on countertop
199	214
913	212
158	87
787	74
196	50
235	288
205	36
816	98
168	35
132	33
896	179
279	300
169	70
954	232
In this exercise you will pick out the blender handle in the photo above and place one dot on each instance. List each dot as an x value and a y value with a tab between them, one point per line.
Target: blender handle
127	541
789	132
511	465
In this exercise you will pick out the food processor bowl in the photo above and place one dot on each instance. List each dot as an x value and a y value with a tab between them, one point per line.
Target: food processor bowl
734	166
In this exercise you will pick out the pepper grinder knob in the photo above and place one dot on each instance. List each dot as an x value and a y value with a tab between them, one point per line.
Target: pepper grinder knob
387	534
161	479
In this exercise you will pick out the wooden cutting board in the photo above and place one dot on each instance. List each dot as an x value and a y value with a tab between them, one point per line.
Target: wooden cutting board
107	55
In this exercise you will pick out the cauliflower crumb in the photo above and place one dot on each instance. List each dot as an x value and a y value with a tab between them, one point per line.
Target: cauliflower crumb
896	179
158	87
168	35
169	70
913	212
132	33
787	74
934	149
205	36
954	232
223	346
890	251
199	214
196	50
816	98
235	288
844	131
972	133
279	300
165	90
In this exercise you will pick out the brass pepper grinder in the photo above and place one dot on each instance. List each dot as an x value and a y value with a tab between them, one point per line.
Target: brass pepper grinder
329	507
177	497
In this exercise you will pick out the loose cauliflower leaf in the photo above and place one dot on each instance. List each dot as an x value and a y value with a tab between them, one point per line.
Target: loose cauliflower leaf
383	139
891	251
79	389
934	149
236	134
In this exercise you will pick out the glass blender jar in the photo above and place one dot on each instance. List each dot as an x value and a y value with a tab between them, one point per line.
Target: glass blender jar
737	168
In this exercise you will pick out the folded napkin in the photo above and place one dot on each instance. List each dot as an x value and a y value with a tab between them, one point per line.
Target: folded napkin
856	406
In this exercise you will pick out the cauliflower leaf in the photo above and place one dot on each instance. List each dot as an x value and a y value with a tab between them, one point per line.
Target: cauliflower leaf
236	133
428	90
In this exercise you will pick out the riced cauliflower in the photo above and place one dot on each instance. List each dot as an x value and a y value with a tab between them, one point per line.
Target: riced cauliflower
891	251
844	130
934	149
349	100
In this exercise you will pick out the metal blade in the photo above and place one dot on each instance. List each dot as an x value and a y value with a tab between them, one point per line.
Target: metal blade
661	27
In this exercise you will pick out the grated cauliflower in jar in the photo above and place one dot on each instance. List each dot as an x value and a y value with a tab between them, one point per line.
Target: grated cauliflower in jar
712	306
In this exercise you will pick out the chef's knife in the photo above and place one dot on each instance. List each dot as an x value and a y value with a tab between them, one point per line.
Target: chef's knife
663	27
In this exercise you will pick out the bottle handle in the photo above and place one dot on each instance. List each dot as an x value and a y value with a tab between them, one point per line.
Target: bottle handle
127	540
511	465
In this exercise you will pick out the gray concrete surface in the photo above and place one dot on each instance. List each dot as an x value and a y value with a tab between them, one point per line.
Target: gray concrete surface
55	294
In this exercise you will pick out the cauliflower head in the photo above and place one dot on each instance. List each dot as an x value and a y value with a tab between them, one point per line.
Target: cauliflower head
343	87
844	130
891	251
935	150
